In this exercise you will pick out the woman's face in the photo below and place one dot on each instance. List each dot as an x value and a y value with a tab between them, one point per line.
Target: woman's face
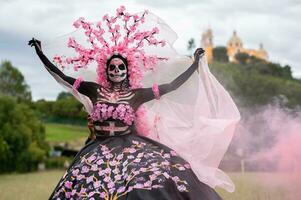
117	70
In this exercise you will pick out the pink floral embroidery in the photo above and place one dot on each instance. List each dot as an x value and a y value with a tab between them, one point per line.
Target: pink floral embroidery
123	112
125	39
77	83
138	166
156	92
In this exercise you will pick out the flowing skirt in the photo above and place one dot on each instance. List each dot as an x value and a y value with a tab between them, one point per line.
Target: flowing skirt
130	167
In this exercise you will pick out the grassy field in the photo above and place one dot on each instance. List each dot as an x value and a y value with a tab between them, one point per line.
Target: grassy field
63	133
58	134
250	186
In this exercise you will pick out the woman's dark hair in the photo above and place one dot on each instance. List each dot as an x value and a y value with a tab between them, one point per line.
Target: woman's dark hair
117	56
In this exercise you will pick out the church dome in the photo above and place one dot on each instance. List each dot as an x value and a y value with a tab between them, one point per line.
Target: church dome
235	41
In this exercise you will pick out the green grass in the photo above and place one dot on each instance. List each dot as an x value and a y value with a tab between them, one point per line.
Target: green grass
64	133
264	186
250	186
30	186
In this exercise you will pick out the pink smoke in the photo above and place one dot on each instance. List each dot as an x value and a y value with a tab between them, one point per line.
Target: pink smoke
272	137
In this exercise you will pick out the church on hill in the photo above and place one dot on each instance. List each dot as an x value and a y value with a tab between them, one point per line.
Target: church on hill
234	46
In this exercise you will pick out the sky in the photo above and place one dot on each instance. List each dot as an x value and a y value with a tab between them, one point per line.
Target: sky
273	23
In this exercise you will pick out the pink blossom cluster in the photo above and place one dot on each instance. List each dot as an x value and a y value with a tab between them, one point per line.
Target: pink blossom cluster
125	39
77	83
156	92
123	112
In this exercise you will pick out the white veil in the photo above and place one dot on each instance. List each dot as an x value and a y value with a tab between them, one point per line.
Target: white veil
197	120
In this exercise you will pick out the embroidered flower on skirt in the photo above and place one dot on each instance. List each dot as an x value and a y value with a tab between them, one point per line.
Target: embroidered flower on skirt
123	112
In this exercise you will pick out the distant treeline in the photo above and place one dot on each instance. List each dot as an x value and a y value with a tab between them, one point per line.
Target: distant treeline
65	109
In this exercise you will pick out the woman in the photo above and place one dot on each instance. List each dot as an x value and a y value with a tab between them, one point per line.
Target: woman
119	163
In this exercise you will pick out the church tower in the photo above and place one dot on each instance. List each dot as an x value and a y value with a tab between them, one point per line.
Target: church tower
207	43
234	46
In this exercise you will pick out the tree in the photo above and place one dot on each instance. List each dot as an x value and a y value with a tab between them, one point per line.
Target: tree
287	72
63	95
220	54
242	58
22	137
69	108
191	45
12	83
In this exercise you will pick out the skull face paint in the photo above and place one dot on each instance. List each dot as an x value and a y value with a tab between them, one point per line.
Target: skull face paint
117	70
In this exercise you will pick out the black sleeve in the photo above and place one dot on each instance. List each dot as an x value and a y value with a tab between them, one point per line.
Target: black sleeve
86	88
146	94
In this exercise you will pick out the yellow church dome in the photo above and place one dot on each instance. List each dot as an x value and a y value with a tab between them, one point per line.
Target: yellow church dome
235	41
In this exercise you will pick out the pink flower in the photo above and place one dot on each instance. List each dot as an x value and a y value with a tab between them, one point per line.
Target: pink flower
147	184
90	179
72	43
68	184
117	177
85	169
173	153
138	186
107	179
68	195
82	190
96	184
103	195
94	167
119	157
121	189
91	193
108	170
75	172
136	17
111	184
155	30
105	17
126	17
78	22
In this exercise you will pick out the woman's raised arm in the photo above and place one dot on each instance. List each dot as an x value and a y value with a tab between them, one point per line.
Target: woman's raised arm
147	94
86	88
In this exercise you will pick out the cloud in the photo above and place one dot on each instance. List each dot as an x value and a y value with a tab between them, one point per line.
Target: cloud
274	23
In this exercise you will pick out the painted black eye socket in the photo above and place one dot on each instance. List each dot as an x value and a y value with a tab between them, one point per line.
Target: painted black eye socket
121	67
112	67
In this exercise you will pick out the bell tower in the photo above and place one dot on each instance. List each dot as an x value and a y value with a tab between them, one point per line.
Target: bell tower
207	43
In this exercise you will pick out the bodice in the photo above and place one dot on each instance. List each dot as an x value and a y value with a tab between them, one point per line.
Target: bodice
112	113
103	111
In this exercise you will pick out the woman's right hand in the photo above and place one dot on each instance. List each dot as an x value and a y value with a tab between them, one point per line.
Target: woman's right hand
35	43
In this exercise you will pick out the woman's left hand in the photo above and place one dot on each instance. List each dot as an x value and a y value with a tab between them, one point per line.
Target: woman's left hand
199	52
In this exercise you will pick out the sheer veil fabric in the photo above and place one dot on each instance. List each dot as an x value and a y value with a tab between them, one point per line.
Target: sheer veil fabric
197	120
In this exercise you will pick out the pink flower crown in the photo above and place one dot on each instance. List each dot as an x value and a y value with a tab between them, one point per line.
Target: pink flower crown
126	40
